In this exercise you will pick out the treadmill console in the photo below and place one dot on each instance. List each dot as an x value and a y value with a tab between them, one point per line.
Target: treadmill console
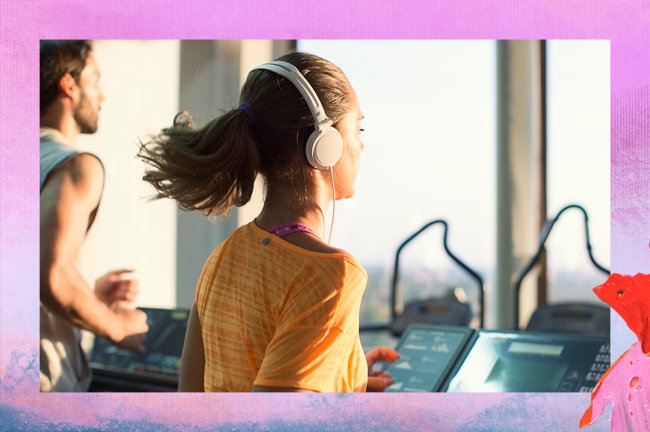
427	353
458	359
156	369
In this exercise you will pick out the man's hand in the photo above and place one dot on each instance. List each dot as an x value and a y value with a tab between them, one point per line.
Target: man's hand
378	381
112	287
133	343
131	326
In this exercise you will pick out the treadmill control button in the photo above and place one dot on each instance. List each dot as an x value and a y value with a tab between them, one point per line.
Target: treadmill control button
599	367
593	376
602	358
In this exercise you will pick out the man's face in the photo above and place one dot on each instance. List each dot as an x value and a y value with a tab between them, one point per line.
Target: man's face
87	105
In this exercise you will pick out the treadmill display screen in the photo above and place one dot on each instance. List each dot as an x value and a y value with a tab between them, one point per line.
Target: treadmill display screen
514	375
534	348
163	346
427	355
508	361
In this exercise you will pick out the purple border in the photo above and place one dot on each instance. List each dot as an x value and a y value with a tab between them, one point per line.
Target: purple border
624	22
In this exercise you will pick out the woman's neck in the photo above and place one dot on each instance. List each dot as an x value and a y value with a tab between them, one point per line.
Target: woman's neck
282	206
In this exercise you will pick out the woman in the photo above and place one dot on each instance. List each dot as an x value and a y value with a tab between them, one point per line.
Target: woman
276	307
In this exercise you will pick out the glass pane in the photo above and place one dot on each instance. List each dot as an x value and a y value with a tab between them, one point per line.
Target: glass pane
578	165
430	154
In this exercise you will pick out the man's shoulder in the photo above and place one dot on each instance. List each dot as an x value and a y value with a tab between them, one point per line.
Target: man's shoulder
82	168
86	164
61	161
81	175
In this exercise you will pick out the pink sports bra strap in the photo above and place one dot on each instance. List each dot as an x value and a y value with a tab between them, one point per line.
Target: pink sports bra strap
290	228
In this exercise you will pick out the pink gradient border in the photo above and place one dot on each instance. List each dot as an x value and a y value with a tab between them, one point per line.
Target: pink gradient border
625	23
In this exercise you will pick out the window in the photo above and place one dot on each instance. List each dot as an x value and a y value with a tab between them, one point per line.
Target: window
430	154
578	165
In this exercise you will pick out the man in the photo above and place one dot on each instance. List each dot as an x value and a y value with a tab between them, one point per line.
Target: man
71	186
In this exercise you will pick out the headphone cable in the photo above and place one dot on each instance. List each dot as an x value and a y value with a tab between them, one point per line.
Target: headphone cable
329	239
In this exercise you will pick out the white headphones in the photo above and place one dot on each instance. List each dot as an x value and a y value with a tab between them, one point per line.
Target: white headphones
324	145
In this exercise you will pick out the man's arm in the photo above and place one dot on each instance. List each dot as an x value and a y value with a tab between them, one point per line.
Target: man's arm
69	197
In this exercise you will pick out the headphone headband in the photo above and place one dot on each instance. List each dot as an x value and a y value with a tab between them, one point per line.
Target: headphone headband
292	73
325	145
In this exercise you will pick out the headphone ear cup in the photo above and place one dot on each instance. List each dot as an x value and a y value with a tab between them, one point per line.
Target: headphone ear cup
324	148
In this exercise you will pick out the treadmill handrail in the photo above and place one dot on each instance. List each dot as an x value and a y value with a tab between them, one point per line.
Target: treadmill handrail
541	249
473	274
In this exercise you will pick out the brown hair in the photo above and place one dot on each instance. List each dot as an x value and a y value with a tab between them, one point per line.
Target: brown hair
60	57
214	167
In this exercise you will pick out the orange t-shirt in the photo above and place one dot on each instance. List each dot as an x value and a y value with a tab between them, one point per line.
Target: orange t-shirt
274	314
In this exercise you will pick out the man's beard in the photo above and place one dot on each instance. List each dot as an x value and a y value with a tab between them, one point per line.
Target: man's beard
85	116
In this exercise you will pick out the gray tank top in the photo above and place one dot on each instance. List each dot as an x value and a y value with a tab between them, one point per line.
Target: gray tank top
54	151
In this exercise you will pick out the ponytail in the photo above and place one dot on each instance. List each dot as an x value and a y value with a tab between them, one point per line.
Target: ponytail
209	169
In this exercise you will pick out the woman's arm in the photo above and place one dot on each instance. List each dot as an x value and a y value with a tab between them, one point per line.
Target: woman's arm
193	357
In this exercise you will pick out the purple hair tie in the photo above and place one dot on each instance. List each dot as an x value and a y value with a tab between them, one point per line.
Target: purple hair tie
248	110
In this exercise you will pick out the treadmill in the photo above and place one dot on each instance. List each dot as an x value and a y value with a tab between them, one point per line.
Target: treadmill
437	358
442	310
438	310
574	317
155	370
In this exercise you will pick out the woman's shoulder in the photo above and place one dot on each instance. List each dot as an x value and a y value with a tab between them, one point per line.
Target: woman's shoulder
338	258
312	247
290	250
312	244
299	242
